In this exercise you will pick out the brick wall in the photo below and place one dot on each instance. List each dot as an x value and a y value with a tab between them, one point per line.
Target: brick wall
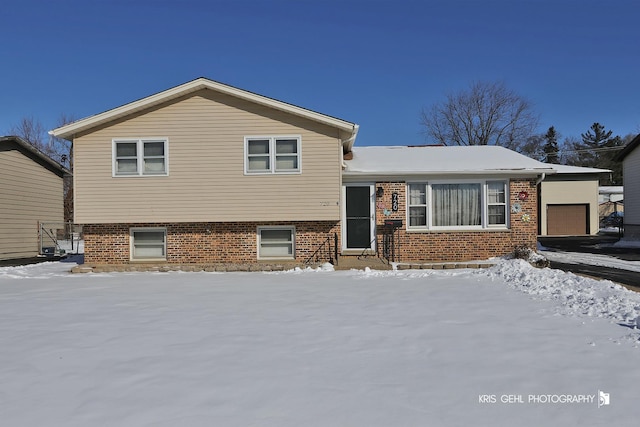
201	243
236	242
458	245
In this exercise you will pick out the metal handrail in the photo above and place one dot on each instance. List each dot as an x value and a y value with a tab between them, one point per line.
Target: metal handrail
326	249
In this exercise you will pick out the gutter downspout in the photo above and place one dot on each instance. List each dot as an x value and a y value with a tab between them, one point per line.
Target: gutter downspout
539	194
349	143
354	134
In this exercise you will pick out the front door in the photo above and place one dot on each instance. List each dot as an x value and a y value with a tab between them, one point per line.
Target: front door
359	217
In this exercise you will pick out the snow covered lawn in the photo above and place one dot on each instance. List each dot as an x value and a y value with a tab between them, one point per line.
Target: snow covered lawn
511	345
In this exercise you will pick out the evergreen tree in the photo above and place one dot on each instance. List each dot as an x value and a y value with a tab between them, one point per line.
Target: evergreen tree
593	142
551	148
598	150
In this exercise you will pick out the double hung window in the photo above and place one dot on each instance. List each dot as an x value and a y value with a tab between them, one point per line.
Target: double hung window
417	205
140	157
457	205
264	155
496	203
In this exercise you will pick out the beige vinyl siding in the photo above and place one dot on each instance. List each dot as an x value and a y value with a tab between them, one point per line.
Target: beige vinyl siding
570	193
29	193
206	180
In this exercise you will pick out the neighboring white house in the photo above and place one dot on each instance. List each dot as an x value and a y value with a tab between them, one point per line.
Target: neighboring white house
569	201
630	157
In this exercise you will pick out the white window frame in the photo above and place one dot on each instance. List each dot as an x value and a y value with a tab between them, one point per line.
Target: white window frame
426	205
483	200
132	243
290	228
505	186
139	157
273	155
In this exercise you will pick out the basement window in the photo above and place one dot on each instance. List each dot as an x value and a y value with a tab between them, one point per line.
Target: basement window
276	242
148	244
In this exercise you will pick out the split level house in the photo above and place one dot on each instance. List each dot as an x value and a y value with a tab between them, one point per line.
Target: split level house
209	173
31	192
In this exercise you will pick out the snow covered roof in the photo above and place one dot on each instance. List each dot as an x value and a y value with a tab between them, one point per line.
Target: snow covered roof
561	169
611	189
442	160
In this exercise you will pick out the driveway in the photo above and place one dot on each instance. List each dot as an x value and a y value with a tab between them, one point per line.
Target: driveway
599	245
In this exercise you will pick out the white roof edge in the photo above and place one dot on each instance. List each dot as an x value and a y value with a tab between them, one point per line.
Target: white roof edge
567	169
193	86
511	172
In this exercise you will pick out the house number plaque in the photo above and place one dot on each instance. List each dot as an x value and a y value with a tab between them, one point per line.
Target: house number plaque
394	202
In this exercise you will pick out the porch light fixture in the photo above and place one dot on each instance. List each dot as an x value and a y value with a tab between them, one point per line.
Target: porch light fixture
379	192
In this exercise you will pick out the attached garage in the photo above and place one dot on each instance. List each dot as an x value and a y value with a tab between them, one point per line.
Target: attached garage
567	220
569	201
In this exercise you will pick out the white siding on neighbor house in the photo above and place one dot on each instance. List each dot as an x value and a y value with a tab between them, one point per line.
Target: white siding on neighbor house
206	180
569	193
631	176
29	193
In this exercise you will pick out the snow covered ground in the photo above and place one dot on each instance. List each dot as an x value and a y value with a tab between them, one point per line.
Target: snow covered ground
505	346
590	259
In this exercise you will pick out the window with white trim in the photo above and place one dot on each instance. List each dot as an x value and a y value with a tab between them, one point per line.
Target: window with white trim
417	205
276	242
496	203
148	244
140	157
457	205
278	154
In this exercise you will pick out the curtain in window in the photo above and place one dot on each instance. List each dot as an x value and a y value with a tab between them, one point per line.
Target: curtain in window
456	205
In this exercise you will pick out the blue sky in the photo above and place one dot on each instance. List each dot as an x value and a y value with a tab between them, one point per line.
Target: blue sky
373	62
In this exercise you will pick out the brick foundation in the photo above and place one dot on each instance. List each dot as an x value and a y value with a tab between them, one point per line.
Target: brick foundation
437	246
201	243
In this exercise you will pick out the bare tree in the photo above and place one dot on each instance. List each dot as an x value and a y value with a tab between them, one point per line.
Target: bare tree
533	147
64	150
488	113
31	130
